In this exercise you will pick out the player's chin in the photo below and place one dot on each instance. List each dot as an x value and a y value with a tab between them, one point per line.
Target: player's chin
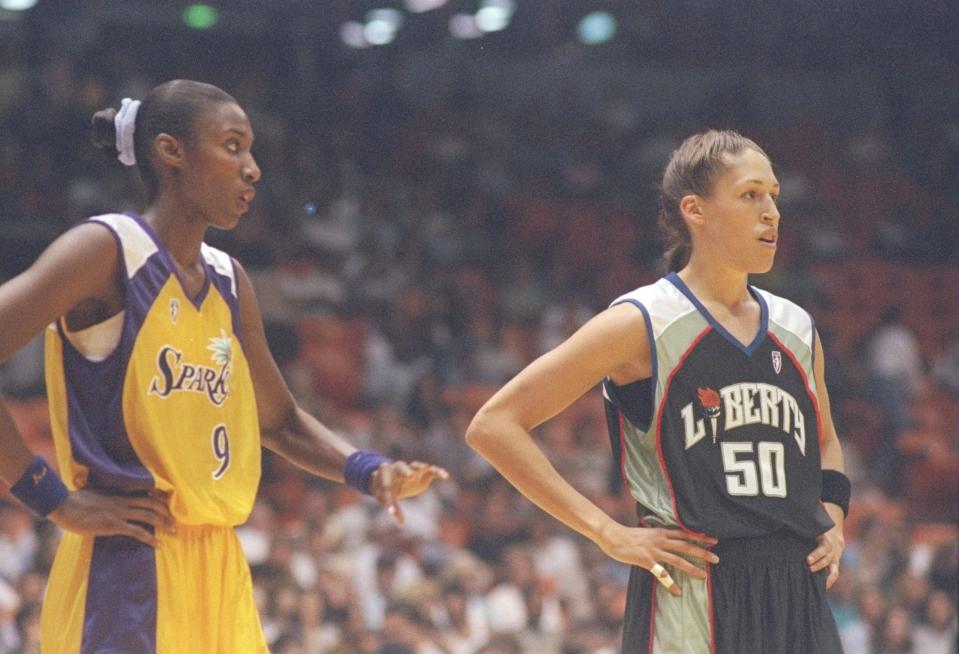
228	221
763	265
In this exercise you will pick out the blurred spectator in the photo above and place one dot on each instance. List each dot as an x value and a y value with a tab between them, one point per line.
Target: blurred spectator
894	357
18	542
22	374
506	601
894	635
897	377
10	639
858	634
945	369
936	633
463	629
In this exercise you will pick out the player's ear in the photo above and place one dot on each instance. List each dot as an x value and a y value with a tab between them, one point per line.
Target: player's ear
691	208
168	149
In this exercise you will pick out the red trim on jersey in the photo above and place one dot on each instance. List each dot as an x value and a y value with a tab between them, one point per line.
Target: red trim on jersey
659	430
805	380
652	616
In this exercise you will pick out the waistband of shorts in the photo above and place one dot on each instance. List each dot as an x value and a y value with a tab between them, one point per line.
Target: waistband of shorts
784	546
189	531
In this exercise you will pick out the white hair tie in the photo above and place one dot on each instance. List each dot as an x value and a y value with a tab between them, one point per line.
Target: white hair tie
125	122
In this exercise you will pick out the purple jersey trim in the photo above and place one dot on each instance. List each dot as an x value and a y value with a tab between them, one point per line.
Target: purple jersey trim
224	286
94	392
197	300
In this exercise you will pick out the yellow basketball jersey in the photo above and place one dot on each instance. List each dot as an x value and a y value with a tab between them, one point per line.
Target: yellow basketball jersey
172	407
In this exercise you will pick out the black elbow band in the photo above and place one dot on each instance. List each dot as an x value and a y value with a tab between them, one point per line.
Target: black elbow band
836	489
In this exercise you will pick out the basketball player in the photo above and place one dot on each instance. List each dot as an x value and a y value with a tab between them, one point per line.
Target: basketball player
721	427
161	390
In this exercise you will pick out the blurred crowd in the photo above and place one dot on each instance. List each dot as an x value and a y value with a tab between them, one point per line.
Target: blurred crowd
414	244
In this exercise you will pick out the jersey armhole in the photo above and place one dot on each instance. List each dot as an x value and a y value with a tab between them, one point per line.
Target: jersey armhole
636	400
99	342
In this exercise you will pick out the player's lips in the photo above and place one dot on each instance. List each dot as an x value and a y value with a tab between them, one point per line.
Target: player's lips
769	238
248	195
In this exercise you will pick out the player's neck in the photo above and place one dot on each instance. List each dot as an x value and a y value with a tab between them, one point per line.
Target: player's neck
180	235
716	284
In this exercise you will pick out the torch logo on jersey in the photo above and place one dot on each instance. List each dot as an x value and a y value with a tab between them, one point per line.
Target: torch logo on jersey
709	400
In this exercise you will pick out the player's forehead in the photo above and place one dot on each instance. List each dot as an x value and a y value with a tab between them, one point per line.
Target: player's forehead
746	167
222	119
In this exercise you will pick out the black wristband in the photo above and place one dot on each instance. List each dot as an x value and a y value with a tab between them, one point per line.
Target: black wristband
836	489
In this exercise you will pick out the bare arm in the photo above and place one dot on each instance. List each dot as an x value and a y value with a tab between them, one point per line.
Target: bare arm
79	266
78	270
831	543
297	436
286	429
614	343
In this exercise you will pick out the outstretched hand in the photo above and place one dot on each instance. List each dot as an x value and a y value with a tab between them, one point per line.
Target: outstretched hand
394	481
94	513
649	547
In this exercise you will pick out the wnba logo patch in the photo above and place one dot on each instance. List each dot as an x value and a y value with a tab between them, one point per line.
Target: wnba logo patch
777	361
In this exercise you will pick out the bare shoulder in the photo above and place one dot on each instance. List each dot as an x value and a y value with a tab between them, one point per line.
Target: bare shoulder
623	322
818	346
251	321
617	338
245	293
241	274
77	273
627	313
819	362
87	245
630	323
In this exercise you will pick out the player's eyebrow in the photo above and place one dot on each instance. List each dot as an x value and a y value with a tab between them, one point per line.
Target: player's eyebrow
239	132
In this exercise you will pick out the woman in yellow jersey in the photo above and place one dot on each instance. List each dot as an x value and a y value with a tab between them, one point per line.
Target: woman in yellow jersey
162	390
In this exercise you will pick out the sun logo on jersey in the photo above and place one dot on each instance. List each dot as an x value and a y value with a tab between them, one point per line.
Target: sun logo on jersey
222	348
709	400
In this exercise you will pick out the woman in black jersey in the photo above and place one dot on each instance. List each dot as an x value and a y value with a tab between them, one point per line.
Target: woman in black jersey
720	421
